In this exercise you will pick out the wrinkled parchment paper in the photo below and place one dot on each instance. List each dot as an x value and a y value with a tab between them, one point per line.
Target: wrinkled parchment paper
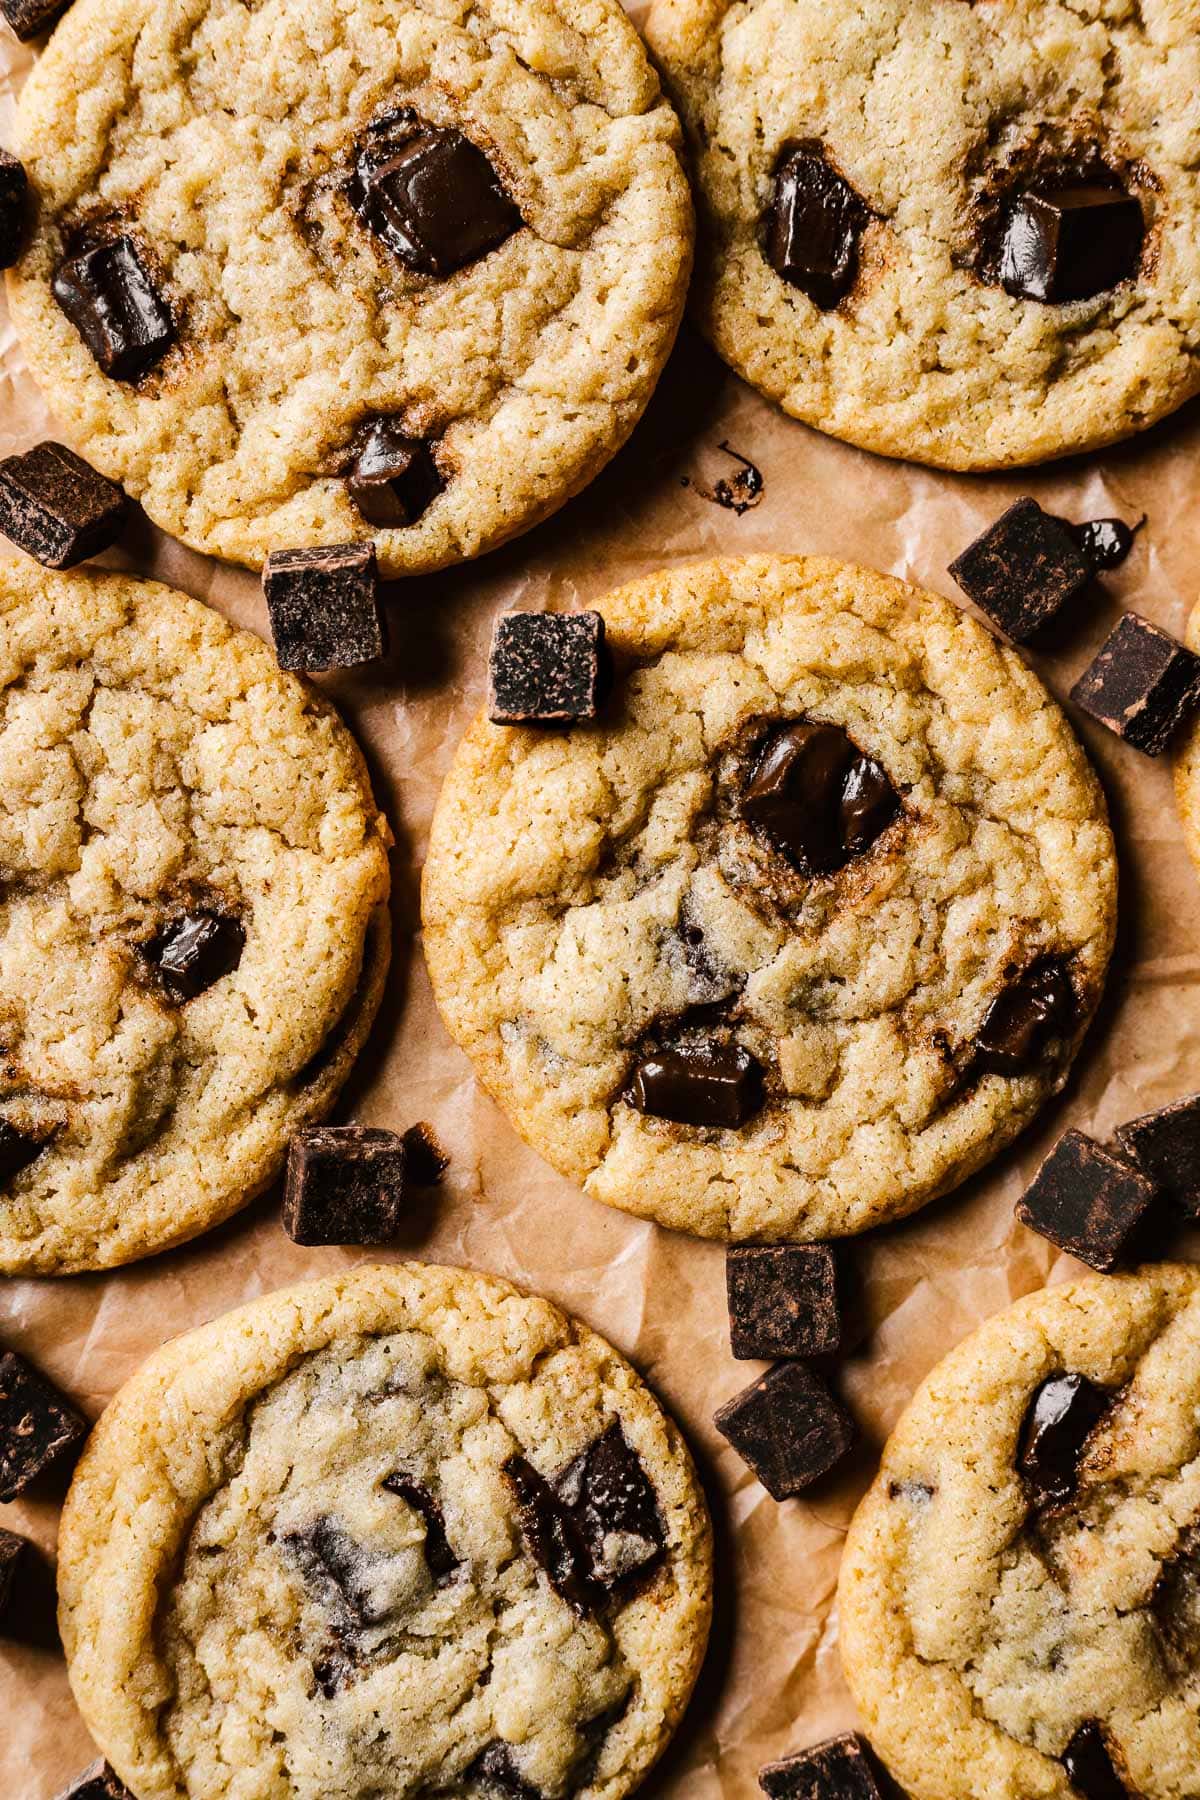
772	1681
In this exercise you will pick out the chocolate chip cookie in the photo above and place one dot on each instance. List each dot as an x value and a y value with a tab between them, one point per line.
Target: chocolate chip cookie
1019	1591
366	269
803	928
193	918
965	235
406	1531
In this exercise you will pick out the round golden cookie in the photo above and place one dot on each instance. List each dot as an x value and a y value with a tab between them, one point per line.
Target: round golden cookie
400	1532
1018	1604
259	162
612	915
193	918
903	305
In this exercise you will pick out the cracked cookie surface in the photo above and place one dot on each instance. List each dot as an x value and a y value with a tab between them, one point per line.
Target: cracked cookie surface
193	917
222	135
594	897
326	1585
928	110
982	1630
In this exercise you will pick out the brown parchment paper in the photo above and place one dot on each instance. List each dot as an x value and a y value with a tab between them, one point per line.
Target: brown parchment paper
772	1681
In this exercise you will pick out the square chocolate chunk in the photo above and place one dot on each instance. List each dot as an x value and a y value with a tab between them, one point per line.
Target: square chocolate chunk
38	1424
1022	570
1166	1144
1142	684
324	606
783	1300
839	1769
16	1553
56	508
97	1782
14	200
788	1427
546	668
29	18
344	1185
1087	1200
111	300
27	1597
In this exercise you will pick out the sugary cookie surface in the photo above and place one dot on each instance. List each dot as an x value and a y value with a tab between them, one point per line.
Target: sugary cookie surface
964	234
193	926
318	270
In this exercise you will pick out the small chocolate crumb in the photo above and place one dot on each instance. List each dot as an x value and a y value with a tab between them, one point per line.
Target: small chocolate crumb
839	1769
788	1427
1058	1421
783	1300
18	1149
1142	684
439	1557
551	1535
430	195
99	1781
1038	1006
427	1161
109	297
1023	569
394	478
29	18
14	207
546	668
1166	1144
720	1085
737	493
915	1493
345	1184
56	508
1071	243
1087	1201
1089	1765
38	1424
817	797
324	606
194	951
813	225
613	1508
495	1771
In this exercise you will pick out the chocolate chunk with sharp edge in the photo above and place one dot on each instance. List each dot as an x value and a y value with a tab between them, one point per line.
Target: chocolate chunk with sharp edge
324	606
430	195
1058	1421
839	1769
29	18
439	1557
18	1149
551	1535
110	299
495	1771
1105	542
817	797
1089	1765
1071	243
14	202
345	1184
1023	569
56	508
195	950
1035	1008
1142	684
613	1507
38	1424
813	226
98	1782
426	1161
702	1084
394	478
1166	1144
1087	1201
546	668
783	1300
788	1427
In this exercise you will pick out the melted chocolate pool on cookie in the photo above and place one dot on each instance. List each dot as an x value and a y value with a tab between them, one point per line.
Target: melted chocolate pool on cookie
817	797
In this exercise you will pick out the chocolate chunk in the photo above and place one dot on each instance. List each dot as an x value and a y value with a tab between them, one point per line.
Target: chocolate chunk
495	1771
425	1160
817	797
27	1596
16	1554
788	1427
783	1300
394	478
115	307
551	1535
430	195
38	1424
813	226
56	508
1058	1421
1175	1604
1037	1007
14	204
1142	684
1166	1144
352	1582
195	950
324	606
613	1508
1089	1766
1023	569
546	668
29	18
1071	243
1087	1201
839	1769
1105	542
17	1150
702	1084
439	1557
98	1782
345	1184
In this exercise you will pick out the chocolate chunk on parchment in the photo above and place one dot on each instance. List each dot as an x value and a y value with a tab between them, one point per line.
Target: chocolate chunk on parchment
439	1557
394	477
38	1424
788	1427
430	195
546	668
323	605
839	1769
495	1771
426	1161
1142	684
1023	570
99	1781
193	951
109	296
1071	242
345	1184
708	1084
1037	1006
14	206
29	18
27	1596
1087	1200
1166	1143
817	797
783	1300
614	1509
1058	1421
813	225
16	1557
1089	1765
57	508
551	1535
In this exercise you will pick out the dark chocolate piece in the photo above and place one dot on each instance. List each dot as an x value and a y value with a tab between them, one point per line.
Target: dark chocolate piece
1038	1006
495	1771
350	1580
394	478
1166	1144
1023	569
29	18
1105	542
1175	1604
14	203
56	508
1142	684
817	797
813	226
788	1427
546	668
1089	1766
16	1555
430	195
1071	243
426	1161
839	1769
195	950
18	1149
439	1557
108	295
38	1424
345	1184
28	1602
613	1508
783	1300
1088	1201
99	1781
551	1535
702	1084
1058	1421
324	606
